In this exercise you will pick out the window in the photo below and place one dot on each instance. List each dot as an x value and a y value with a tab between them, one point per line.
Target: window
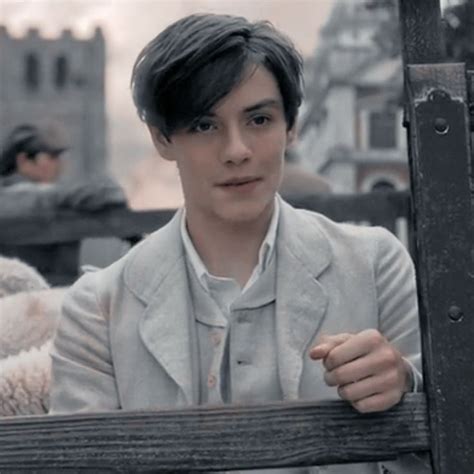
32	72
61	72
383	129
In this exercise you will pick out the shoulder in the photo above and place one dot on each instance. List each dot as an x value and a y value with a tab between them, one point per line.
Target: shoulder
342	237
98	283
138	271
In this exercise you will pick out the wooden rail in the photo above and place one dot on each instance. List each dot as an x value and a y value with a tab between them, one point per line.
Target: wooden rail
378	208
223	438
303	434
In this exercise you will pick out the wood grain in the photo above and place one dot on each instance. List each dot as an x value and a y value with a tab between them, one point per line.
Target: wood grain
224	438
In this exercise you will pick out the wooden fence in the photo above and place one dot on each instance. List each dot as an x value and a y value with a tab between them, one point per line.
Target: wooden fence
301	434
52	244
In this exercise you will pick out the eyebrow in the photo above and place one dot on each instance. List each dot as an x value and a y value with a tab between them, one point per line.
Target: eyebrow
262	104
275	103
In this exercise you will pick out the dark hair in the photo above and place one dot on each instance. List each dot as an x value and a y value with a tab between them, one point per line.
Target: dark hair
183	72
26	139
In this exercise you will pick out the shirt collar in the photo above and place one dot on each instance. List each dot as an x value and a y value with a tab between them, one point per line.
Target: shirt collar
265	253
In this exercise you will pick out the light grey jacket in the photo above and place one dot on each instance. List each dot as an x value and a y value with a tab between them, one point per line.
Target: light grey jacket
124	340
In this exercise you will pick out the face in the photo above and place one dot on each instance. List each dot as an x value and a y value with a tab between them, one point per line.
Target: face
44	168
230	161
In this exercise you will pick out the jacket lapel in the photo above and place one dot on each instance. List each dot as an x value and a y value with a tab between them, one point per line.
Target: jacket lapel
157	275
303	254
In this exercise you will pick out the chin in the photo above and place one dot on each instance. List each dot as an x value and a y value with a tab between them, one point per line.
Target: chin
243	213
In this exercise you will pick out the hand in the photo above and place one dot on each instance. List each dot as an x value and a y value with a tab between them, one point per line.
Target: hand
366	369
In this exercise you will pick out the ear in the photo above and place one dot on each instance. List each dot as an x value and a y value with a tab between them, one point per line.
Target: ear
291	136
160	142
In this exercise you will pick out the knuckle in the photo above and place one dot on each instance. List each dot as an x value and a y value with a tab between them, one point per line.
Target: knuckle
338	377
343	392
392	378
361	406
334	378
328	378
389	356
373	337
331	361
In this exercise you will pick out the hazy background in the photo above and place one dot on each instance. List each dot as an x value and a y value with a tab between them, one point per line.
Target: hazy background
128	25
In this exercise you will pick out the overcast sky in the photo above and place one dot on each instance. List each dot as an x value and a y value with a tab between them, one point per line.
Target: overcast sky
128	25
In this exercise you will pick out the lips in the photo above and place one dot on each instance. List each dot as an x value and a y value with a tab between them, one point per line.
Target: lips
239	181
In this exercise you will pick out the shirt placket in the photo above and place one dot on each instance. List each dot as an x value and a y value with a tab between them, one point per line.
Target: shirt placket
217	338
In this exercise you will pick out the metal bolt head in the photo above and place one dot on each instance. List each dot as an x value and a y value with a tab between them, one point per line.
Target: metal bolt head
455	313
441	126
438	95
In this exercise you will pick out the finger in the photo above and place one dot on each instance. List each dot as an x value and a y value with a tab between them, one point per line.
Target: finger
379	384
326	344
358	345
378	402
380	360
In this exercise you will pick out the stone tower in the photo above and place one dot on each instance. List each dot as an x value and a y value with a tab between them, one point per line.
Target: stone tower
57	83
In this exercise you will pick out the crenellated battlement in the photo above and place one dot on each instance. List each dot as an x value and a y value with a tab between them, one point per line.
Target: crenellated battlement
57	80
66	34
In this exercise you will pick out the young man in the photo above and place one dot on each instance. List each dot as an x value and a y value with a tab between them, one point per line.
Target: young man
240	298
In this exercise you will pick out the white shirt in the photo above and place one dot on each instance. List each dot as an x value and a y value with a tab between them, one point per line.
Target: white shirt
225	290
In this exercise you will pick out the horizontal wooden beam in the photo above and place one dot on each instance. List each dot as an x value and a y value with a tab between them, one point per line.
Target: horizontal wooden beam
123	223
223	438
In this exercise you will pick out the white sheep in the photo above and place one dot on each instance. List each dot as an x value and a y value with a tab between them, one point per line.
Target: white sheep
17	276
29	314
28	319
25	381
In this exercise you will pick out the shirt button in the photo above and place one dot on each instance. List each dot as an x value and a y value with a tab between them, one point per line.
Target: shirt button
216	338
243	318
211	381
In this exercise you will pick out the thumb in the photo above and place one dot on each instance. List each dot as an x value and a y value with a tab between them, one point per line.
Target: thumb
326	344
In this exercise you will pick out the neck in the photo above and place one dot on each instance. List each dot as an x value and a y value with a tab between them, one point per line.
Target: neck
229	250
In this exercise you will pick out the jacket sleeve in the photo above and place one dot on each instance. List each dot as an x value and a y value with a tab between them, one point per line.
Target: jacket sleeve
83	377
397	301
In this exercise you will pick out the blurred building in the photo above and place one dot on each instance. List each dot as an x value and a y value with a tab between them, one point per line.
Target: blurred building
58	83
351	123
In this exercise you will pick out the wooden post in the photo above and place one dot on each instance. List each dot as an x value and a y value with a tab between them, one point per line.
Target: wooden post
420	26
440	166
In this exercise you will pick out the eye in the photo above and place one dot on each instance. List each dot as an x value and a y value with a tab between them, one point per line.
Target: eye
260	120
202	126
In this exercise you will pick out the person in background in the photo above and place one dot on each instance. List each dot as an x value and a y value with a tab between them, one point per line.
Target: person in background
30	168
241	298
29	155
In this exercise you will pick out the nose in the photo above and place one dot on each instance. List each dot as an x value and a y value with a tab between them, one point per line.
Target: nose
236	148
